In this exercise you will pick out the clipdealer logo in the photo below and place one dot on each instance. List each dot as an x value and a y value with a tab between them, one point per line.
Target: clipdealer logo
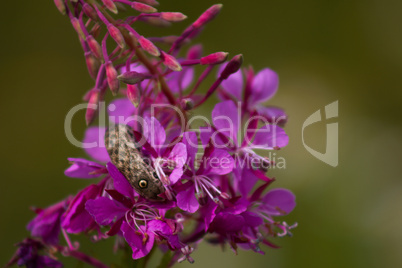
330	156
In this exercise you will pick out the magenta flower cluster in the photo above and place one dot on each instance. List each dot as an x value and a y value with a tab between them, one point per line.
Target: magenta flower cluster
216	187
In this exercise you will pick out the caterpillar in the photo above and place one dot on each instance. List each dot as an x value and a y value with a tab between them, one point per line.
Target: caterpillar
124	154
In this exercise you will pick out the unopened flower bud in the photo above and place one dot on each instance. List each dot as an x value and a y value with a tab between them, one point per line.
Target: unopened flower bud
112	80
76	24
195	52
148	46
233	66
116	35
208	15
60	6
92	107
110	5
144	8
94	46
132	94
156	21
173	16
93	64
171	62
187	104
149	2
89	11
87	95
132	77
214	58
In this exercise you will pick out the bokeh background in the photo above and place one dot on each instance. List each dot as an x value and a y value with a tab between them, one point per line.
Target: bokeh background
350	51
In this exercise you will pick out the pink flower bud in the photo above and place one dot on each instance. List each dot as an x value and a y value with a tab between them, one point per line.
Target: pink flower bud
94	47
195	52
171	62
173	16
208	15
187	104
76	24
132	77
112	80
116	35
60	6
148	46
92	107
110	5
149	2
93	64
89	11
143	7
233	66
132	94
214	58
156	21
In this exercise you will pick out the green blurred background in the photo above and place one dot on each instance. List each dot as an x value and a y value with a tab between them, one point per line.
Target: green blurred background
350	51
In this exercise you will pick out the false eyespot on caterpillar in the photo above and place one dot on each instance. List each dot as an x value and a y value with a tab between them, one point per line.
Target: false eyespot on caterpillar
121	147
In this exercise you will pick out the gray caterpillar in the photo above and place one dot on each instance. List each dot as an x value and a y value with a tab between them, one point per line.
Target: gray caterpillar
121	147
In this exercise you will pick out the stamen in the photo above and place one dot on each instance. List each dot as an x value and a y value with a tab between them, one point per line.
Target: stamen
71	246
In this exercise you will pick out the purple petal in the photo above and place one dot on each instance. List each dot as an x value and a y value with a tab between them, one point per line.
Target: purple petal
47	223
191	141
180	80
225	117
227	223
187	201
234	84
176	174
239	207
268	137
247	182
94	143
274	115
135	240
179	156
278	202
104	210
219	163
264	86
154	132
77	219
163	229
121	111
208	213
81	168
120	182
251	219
160	227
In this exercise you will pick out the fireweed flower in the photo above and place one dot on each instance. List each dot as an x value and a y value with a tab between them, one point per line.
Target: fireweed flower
28	255
215	181
257	89
46	224
226	134
200	180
